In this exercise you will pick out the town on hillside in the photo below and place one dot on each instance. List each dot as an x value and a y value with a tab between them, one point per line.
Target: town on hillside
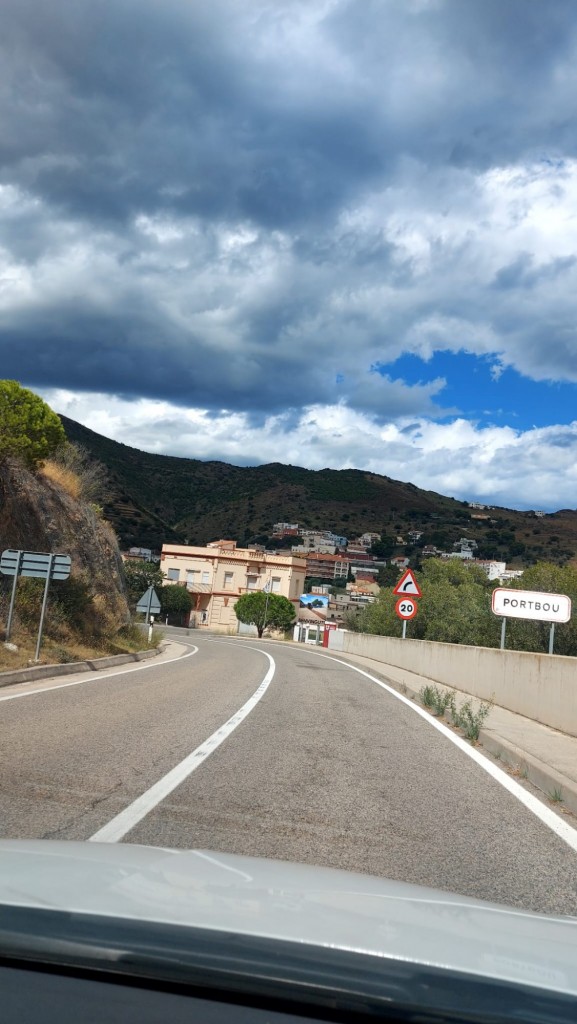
326	576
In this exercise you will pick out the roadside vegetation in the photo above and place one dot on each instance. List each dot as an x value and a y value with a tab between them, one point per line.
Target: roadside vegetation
469	716
51	497
456	608
265	611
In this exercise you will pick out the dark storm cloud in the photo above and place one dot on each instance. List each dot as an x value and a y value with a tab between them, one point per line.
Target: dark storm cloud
230	205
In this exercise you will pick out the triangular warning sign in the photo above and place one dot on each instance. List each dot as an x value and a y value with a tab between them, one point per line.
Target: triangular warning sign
408	585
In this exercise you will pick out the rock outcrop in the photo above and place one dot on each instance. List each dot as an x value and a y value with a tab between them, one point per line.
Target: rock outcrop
38	515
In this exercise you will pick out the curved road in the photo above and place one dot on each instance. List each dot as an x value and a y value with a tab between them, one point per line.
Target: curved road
326	768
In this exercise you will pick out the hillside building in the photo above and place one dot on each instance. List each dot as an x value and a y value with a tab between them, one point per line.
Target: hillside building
216	576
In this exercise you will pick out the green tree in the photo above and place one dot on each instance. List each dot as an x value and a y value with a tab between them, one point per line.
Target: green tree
29	429
388	576
526	635
384	547
139	576
176	602
455	607
261	610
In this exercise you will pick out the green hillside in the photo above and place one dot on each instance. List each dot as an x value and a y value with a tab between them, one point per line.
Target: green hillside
159	498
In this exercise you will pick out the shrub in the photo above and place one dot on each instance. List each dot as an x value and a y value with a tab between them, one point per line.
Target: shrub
29	429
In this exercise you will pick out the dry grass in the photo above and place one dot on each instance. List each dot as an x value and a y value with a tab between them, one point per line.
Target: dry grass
63	477
53	652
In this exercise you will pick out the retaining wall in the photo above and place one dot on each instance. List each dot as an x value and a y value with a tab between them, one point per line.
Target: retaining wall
540	686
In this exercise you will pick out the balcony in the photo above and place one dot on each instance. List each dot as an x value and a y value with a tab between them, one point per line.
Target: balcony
199	588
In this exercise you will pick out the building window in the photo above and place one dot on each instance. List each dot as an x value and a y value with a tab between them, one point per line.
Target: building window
275	585
228	578
174	574
191	577
251	582
206	577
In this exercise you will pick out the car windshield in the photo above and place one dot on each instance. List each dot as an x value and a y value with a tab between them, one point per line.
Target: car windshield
288	544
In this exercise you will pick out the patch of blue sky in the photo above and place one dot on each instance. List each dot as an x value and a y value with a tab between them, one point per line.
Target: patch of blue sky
487	394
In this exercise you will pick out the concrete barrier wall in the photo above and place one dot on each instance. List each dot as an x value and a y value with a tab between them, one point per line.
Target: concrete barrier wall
540	686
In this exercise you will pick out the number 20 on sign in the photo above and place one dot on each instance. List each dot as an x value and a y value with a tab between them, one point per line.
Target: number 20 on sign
406	608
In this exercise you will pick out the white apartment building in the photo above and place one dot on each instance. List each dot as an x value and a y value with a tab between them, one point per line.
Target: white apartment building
216	575
493	569
320	546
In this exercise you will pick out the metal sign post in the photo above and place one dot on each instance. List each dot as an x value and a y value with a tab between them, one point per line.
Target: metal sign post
406	608
503	630
44	603
13	596
551	637
39	565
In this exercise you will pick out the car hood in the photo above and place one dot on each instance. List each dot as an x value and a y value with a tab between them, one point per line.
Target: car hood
295	903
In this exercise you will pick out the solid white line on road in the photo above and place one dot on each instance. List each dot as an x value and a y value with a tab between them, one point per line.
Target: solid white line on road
561	828
95	677
119	826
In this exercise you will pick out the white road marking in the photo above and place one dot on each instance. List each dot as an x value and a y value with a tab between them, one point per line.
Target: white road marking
119	826
561	828
95	677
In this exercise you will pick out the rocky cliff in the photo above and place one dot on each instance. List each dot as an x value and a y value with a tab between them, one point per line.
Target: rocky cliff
37	514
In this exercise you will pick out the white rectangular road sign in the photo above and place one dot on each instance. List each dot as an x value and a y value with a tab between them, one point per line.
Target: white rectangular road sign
531	604
35	563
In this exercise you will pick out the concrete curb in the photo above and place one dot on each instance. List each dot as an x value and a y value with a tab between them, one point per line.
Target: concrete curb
530	768
26	675
526	766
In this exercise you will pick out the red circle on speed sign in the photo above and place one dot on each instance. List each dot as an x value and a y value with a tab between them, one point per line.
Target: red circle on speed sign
406	608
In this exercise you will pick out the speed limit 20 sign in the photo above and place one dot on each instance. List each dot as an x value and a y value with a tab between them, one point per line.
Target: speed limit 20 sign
406	608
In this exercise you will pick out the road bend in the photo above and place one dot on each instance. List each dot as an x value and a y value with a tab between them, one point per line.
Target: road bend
302	759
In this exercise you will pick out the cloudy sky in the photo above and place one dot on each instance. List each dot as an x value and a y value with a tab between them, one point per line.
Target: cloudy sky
324	232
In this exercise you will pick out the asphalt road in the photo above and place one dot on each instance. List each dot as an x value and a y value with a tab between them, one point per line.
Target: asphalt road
327	768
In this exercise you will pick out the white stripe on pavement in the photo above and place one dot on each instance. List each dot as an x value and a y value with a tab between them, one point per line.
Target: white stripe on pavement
95	676
561	828
119	826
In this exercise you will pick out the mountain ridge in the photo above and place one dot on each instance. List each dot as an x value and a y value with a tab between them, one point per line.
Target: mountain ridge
165	498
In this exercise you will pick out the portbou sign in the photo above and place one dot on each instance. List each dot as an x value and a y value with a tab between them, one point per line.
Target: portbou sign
531	604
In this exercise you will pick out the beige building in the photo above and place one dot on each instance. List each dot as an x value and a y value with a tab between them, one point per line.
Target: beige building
216	575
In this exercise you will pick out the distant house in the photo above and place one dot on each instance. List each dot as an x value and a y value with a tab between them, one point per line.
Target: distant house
144	554
366	573
285	529
369	538
217	574
494	570
400	562
327	567
464	544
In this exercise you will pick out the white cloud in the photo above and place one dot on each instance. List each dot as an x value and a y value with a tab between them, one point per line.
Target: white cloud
533	468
